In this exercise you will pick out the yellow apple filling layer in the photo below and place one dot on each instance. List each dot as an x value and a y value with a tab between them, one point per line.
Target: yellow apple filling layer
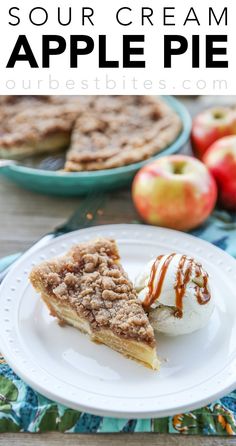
49	144
128	347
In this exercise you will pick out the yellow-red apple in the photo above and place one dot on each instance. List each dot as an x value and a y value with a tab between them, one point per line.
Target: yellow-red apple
210	125
175	191
220	158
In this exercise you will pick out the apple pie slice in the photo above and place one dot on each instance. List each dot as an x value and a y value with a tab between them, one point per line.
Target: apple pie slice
89	289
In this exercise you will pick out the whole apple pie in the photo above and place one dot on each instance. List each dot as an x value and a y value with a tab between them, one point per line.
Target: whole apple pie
96	132
89	289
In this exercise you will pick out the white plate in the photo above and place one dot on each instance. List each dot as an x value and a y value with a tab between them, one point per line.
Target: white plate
66	366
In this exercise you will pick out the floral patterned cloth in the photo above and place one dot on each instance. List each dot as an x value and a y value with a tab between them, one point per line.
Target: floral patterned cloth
23	409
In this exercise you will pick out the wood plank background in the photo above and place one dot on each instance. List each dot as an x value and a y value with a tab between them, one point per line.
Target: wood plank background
112	440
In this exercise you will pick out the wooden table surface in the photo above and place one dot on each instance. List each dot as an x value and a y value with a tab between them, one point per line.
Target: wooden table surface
24	218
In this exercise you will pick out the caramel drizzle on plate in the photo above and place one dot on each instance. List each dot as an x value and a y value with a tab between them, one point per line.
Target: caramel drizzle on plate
183	276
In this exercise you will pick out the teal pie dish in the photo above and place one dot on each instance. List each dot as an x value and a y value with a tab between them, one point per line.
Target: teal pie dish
80	183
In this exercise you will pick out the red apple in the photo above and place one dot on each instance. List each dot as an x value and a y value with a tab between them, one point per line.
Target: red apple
211	125
175	191
220	158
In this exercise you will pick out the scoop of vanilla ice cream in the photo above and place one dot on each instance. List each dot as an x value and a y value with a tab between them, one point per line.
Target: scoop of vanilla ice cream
175	290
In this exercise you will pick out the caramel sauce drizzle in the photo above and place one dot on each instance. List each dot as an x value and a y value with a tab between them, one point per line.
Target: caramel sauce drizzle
182	280
152	296
183	277
202	293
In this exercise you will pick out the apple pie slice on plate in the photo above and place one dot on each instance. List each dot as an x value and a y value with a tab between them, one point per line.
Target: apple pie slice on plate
89	289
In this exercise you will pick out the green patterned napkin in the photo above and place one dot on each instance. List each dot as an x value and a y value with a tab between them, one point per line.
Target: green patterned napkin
23	409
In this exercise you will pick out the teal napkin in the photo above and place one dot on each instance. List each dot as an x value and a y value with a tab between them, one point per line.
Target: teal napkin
23	409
